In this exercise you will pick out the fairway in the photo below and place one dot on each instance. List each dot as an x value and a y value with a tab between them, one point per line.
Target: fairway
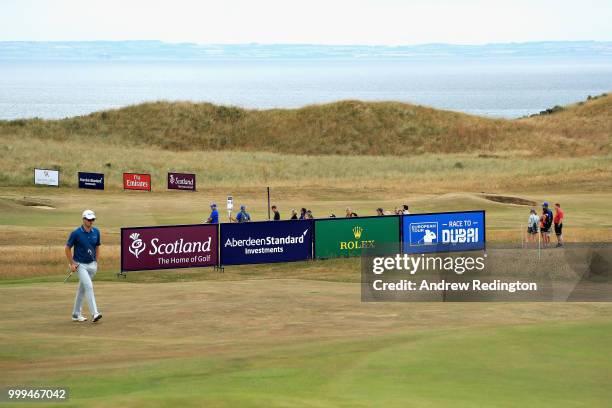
287	342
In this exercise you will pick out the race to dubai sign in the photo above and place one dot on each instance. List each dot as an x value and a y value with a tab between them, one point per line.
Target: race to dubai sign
169	247
444	232
181	181
136	181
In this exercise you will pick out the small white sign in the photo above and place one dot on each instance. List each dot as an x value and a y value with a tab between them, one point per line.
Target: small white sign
230	203
46	177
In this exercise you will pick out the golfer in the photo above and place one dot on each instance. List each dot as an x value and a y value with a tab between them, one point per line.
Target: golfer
86	242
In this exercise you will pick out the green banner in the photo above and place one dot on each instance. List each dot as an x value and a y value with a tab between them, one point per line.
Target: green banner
343	237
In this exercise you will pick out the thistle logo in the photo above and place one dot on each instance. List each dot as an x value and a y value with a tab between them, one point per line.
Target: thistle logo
171	179
137	245
358	243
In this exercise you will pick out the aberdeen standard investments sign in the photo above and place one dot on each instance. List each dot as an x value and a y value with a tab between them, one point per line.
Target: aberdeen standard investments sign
266	242
181	246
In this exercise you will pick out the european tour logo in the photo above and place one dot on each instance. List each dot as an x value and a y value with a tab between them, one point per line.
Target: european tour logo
358	243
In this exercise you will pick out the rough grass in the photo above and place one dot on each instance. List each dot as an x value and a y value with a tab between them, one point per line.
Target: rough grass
433	173
343	128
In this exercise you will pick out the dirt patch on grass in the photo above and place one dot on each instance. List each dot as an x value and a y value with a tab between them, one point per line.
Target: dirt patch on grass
510	200
35	203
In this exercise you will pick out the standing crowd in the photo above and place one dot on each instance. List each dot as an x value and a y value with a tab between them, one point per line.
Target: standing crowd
304	214
544	223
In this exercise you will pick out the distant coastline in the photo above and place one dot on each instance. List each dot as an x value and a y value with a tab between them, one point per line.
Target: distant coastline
158	50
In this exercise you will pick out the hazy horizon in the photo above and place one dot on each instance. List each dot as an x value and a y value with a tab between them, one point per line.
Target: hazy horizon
339	22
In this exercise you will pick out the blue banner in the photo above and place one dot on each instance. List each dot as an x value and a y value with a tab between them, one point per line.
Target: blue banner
93	181
266	242
444	232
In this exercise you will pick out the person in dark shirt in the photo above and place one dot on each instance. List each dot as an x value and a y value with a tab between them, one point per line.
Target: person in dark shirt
294	215
276	213
86	243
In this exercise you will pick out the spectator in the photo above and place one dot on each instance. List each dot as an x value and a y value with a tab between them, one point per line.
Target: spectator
276	213
532	225
294	215
214	215
545	223
405	210
309	215
350	213
303	214
558	220
380	212
242	216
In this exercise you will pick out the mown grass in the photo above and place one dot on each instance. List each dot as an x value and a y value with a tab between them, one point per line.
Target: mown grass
548	365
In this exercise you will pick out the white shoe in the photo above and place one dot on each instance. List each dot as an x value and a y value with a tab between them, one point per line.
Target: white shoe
96	317
79	318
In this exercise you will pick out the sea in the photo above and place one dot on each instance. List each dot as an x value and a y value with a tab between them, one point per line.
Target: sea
481	86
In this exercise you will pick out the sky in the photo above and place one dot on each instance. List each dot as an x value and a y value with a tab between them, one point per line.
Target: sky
339	22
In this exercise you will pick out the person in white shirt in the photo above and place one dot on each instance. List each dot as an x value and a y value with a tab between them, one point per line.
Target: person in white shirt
532	226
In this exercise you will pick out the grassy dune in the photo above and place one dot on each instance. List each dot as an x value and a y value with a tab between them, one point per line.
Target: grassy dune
345	128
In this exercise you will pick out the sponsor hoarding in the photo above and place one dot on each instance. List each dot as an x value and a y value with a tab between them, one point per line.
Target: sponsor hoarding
136	181
444	232
343	237
46	177
94	181
266	242
169	247
181	181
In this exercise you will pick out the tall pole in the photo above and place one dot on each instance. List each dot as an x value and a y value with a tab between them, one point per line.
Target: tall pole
540	245
268	203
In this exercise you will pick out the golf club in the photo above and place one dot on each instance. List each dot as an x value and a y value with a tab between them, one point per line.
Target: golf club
69	274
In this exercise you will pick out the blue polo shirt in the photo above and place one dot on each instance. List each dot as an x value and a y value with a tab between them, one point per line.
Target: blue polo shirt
84	244
243	216
214	217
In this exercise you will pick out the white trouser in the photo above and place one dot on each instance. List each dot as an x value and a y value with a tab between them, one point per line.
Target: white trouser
86	272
